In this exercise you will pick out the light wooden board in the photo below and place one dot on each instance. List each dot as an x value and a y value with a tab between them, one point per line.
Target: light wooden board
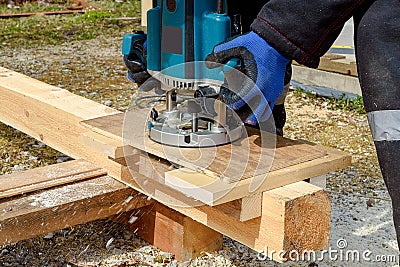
57	208
233	162
215	191
336	63
46	177
51	115
243	209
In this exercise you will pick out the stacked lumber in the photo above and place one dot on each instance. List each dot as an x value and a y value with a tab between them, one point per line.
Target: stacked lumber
307	160
282	212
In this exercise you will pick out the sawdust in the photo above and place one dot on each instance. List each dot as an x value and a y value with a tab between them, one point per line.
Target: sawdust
63	194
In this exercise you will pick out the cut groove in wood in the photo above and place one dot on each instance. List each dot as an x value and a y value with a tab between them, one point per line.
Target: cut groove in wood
243	209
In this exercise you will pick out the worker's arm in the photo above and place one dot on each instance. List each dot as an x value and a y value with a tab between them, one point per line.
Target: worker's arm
304	30
299	30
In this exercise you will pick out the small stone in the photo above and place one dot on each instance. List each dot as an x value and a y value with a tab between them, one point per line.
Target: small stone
48	236
33	158
65	61
370	203
107	103
41	70
109	242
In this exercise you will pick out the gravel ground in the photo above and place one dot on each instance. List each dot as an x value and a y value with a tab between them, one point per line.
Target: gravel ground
361	217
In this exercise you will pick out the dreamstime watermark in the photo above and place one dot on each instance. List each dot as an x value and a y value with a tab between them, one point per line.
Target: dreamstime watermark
340	253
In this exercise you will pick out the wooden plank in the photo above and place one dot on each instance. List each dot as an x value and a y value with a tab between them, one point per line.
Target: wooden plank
51	115
336	63
46	177
172	232
330	65
310	204
213	191
232	162
61	207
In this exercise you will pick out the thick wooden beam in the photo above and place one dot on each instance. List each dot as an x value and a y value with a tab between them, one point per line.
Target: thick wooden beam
57	208
173	232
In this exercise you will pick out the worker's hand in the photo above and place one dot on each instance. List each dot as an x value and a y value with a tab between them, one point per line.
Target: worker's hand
262	64
137	69
136	63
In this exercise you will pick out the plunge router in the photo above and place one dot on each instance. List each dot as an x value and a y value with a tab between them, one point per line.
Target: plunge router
180	35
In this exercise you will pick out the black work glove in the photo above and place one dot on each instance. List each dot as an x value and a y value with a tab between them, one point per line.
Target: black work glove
137	63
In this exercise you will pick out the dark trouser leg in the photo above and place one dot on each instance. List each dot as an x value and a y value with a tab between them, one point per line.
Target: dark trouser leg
279	112
378	58
388	155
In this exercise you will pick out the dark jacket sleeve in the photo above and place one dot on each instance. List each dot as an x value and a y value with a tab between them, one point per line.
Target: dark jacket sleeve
248	11
303	30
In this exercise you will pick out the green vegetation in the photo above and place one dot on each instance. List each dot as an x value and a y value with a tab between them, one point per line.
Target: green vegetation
300	93
345	103
341	103
56	29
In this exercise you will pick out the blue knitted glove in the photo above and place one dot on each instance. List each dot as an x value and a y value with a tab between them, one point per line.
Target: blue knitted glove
265	68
